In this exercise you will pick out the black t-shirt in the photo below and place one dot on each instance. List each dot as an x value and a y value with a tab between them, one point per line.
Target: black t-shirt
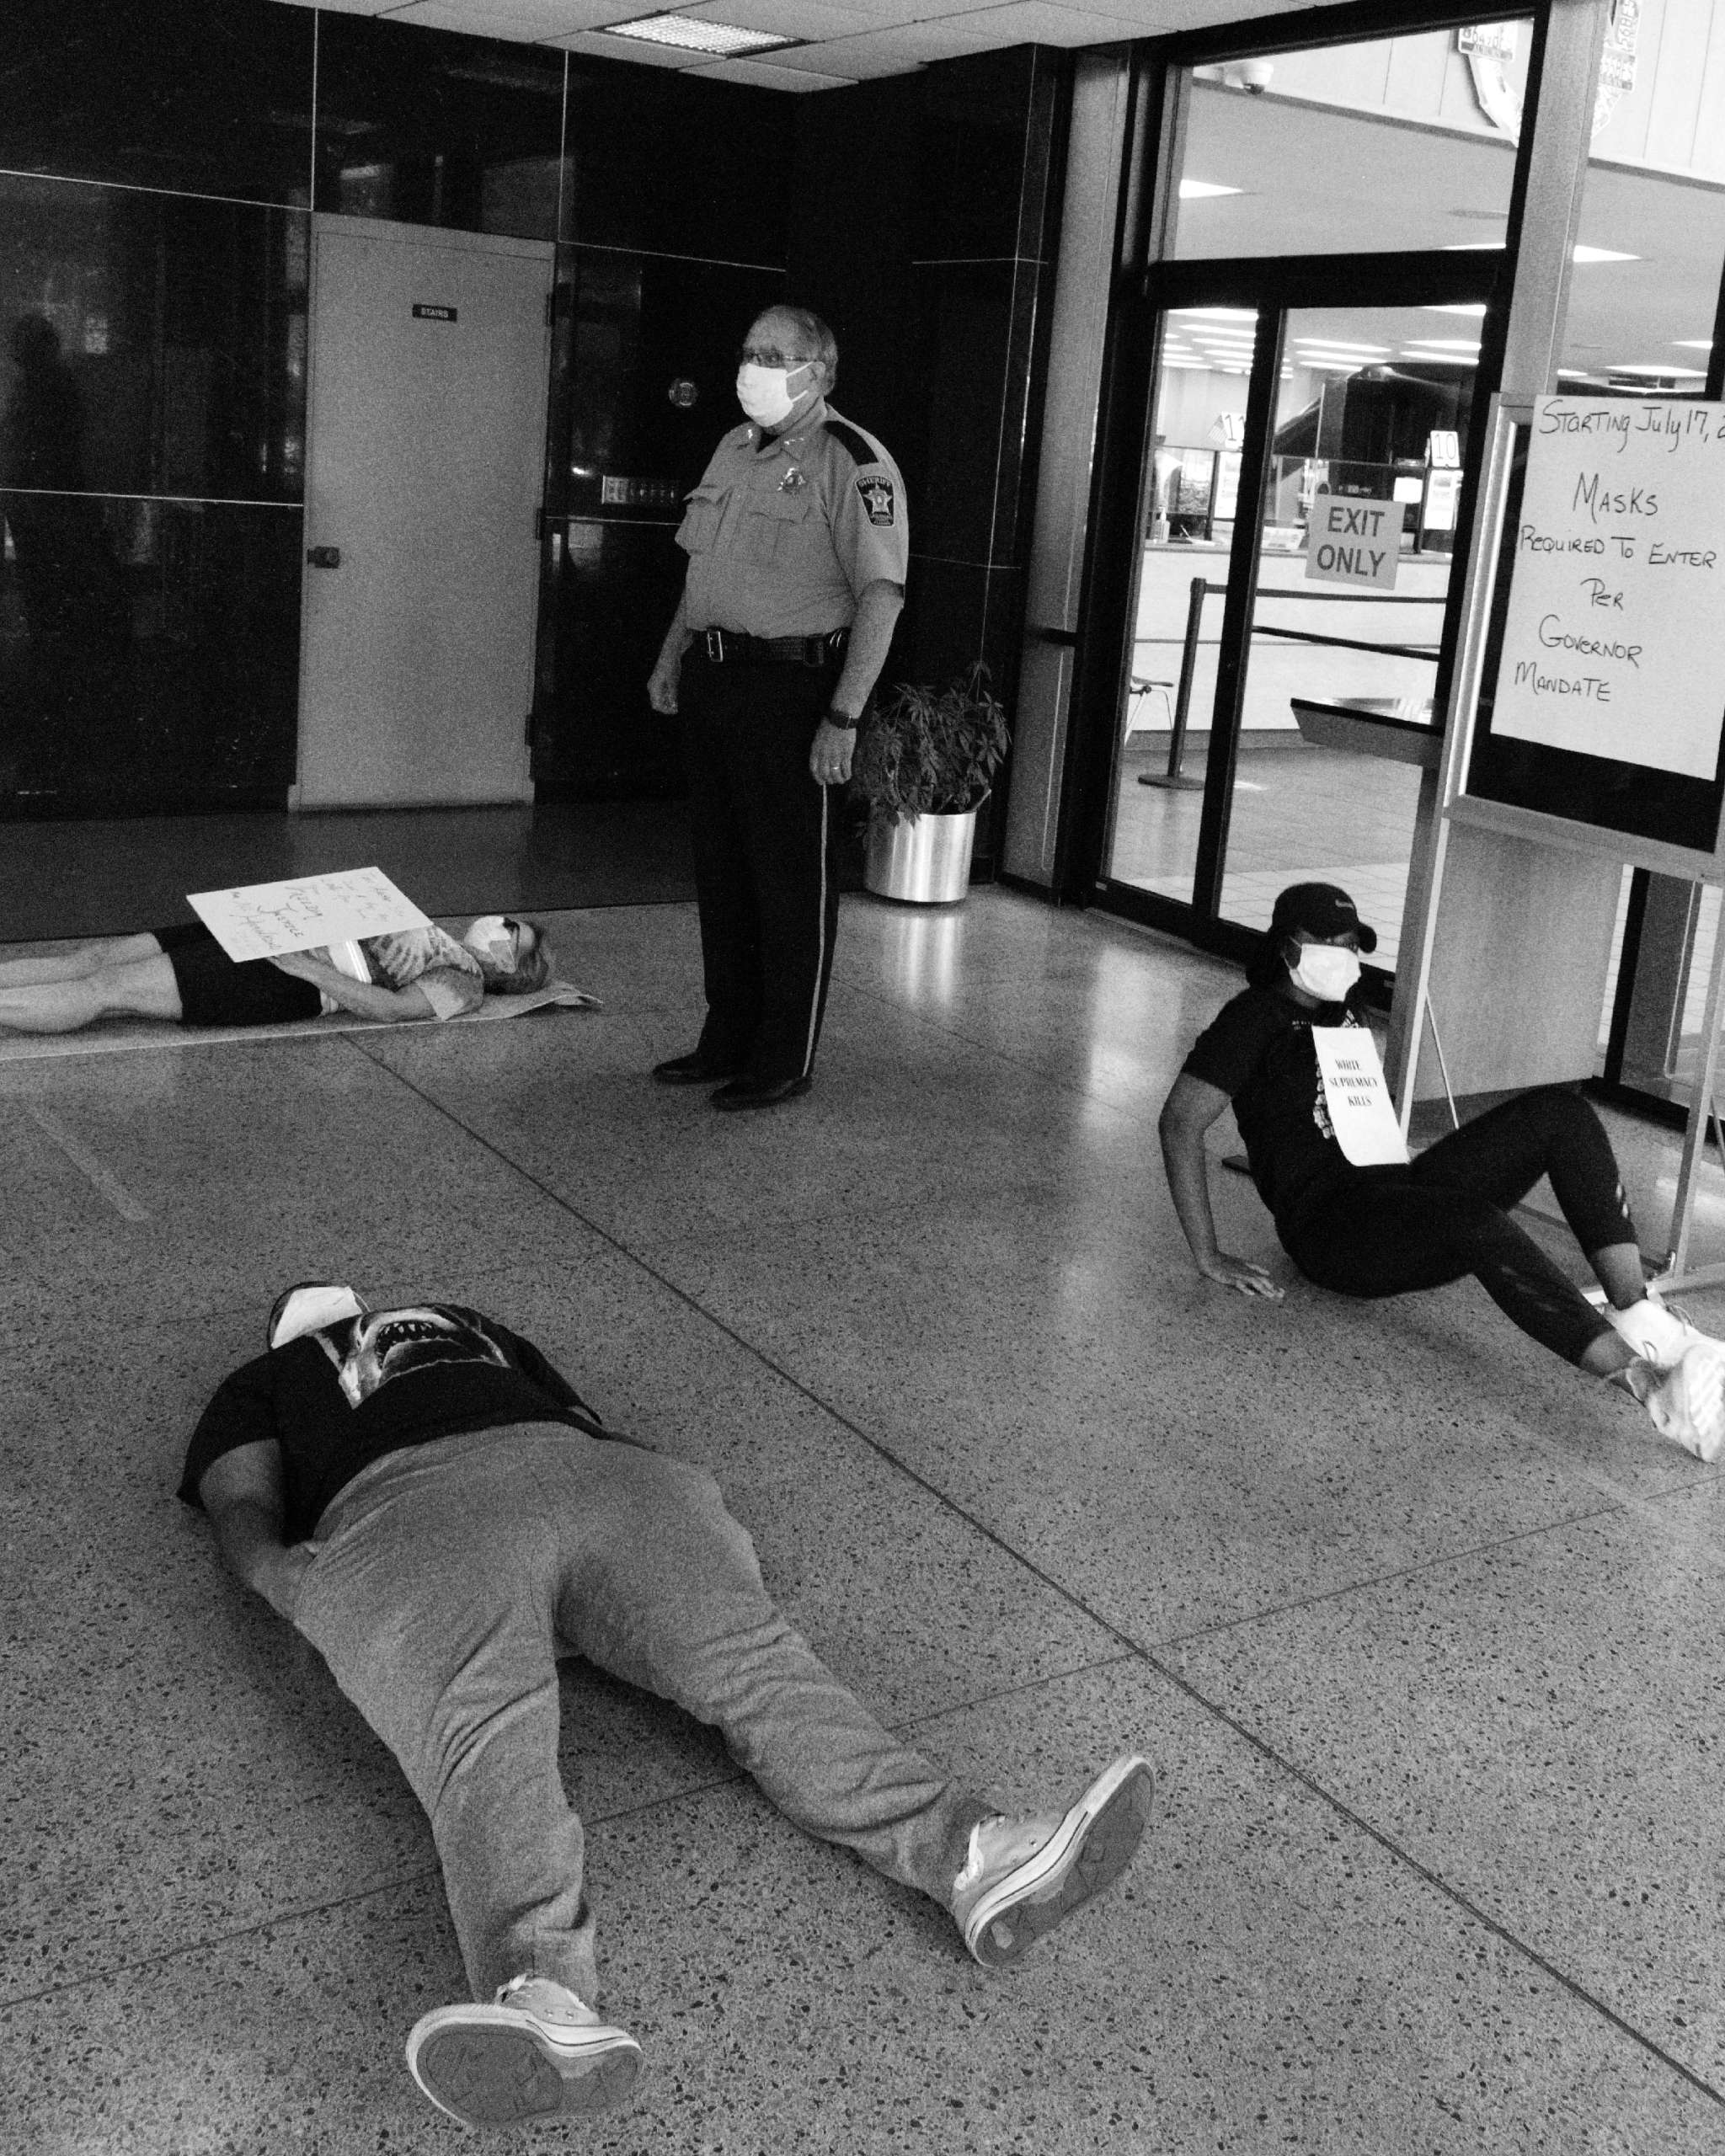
1258	1050
337	1399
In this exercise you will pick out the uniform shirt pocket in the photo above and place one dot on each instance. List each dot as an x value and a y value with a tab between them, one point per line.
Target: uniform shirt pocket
774	528
703	507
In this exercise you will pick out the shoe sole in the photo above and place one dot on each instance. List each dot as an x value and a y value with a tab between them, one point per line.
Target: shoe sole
499	2076
1086	1854
742	1103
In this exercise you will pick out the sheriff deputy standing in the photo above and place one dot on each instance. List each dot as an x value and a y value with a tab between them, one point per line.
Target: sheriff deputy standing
798	546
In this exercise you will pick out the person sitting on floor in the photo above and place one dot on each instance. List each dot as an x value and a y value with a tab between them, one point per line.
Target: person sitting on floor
433	1506
182	973
1390	1229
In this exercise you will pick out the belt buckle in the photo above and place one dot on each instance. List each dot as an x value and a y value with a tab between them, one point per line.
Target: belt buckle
715	646
814	651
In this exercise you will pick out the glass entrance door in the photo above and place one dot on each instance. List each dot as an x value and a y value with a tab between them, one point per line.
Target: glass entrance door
1276	713
1355	528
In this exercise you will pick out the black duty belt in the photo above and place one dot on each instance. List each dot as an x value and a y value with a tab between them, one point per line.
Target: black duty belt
730	647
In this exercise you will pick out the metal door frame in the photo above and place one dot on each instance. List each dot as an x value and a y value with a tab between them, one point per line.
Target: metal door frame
1273	286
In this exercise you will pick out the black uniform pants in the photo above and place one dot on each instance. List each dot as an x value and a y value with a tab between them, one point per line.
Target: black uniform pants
1388	1229
763	835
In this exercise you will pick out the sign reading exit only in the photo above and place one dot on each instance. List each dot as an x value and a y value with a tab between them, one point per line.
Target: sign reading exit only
1353	539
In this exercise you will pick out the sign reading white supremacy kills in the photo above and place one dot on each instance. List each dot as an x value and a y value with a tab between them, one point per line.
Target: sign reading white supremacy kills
261	920
1362	1114
1612	642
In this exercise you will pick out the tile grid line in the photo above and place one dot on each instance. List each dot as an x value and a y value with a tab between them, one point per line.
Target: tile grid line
424	1874
1152	1659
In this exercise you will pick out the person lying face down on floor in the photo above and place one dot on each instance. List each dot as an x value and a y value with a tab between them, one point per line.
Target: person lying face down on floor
181	972
433	1506
1389	1229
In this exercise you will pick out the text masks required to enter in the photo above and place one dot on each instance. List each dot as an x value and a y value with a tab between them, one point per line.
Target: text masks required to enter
1612	637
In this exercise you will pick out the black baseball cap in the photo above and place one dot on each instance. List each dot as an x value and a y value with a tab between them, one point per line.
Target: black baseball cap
1324	910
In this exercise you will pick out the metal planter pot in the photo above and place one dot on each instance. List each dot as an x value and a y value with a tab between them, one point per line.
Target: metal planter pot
925	861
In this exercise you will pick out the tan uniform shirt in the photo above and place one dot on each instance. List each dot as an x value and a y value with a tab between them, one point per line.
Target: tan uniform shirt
784	535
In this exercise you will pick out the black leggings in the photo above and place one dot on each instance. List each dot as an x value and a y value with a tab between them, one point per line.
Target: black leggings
1388	1229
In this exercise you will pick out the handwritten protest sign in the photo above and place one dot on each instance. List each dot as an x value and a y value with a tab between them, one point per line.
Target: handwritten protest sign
260	920
1610	645
1361	1111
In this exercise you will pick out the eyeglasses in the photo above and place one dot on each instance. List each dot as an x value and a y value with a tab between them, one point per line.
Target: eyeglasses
768	356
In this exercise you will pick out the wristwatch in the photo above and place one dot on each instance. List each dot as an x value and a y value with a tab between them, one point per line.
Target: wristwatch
844	721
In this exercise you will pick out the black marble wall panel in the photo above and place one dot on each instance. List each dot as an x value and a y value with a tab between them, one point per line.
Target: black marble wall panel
608	592
206	97
151	344
644	387
659	163
148	654
431	128
951	233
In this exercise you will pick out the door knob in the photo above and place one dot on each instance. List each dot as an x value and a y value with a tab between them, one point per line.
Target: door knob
324	557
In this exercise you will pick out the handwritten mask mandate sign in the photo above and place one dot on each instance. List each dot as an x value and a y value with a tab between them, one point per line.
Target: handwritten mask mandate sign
1351	539
260	920
1612	637
1362	1114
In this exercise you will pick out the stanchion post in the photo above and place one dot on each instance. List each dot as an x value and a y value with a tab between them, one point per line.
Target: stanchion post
1174	777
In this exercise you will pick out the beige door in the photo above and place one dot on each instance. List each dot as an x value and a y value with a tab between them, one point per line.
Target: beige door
424	469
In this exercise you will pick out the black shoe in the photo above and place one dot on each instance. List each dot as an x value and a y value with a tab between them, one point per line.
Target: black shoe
757	1093
692	1069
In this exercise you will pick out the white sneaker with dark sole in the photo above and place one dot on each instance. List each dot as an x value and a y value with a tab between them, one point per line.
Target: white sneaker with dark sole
1024	1876
539	2054
1686	1403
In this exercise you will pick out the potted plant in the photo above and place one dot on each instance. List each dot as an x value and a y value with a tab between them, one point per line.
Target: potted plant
923	767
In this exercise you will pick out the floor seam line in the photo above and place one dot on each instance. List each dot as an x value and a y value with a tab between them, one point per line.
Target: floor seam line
1261	1746
415	1874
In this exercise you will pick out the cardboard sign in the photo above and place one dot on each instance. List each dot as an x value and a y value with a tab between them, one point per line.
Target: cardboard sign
1353	539
259	921
1611	639
1361	1111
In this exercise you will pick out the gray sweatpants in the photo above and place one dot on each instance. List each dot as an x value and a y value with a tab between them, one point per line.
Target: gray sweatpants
451	1575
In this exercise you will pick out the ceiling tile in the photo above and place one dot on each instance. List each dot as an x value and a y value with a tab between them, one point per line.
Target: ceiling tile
523	20
1041	21
764	76
807	18
626	48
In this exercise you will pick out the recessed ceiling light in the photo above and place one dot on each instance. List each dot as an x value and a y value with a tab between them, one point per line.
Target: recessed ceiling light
1693	344
1447	343
1473	246
1601	254
695	34
1215	313
1661	370
1459	306
1198	190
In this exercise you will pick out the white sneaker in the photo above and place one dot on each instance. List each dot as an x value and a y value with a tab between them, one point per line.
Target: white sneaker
1022	1877
1657	1331
1687	1401
538	2053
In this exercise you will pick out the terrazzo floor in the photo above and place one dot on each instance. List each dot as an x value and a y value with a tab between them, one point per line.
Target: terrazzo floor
1421	1628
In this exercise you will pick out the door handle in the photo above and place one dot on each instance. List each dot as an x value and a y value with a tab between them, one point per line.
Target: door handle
324	557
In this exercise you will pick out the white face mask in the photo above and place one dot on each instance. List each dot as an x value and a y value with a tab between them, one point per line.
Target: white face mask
496	939
764	393
1325	970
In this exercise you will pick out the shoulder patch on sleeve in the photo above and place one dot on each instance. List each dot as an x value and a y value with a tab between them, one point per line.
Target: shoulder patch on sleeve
844	433
877	491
